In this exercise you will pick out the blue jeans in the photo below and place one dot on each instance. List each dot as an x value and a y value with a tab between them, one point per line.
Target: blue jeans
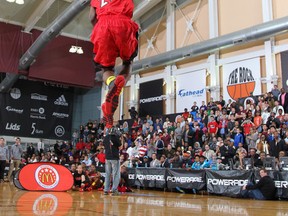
254	194
112	166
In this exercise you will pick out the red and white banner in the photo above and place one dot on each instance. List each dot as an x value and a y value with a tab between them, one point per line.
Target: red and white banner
241	79
45	177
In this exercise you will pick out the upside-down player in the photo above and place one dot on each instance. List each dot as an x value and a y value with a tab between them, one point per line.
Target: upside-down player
114	35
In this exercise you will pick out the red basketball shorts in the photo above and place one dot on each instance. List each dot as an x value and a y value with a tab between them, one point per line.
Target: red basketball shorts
114	37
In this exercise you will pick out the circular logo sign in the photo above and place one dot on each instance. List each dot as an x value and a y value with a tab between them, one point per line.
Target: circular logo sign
46	204
15	93
41	110
241	83
59	131
47	176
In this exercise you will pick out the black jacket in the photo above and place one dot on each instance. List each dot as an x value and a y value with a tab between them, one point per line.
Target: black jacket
112	144
267	187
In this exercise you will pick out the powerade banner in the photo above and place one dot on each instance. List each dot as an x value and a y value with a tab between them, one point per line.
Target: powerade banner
280	179
227	183
151	98
242	78
45	177
36	109
151	177
190	87
186	179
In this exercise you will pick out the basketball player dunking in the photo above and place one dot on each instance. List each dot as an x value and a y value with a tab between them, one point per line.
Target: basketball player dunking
114	35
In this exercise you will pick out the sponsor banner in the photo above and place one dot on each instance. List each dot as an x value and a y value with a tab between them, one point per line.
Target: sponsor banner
151	98
241	79
227	183
131	177
150	178
280	179
188	91
52	203
284	67
45	177
33	109
194	179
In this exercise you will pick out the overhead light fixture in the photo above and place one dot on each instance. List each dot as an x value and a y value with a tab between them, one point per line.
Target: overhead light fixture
76	49
20	2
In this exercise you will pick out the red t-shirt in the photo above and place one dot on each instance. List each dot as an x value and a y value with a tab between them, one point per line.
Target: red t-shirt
246	128
115	7
185	115
80	145
101	157
212	126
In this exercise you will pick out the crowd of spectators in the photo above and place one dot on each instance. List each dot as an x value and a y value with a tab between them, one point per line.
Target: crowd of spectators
216	135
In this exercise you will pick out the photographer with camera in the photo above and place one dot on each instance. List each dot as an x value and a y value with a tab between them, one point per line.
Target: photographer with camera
113	143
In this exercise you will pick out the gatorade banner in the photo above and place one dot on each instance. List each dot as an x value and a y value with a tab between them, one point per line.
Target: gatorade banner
190	88
150	177
193	179
227	183
241	79
44	203
45	177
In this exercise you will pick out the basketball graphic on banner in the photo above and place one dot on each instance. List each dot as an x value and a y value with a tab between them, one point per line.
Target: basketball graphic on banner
241	79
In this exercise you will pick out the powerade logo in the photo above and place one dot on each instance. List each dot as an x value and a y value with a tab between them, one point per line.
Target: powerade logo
152	99
184	179
227	182
148	177
187	93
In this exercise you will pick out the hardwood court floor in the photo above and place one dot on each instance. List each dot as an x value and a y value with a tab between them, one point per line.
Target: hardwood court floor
139	203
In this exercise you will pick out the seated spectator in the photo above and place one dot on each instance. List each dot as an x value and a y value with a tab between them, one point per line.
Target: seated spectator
208	153
196	165
264	189
169	152
155	162
81	180
145	162
175	162
259	162
101	156
87	161
164	163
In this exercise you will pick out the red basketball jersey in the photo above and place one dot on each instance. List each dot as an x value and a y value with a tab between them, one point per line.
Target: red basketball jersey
113	7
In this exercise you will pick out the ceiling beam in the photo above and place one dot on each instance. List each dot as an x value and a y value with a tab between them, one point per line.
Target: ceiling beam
144	7
37	14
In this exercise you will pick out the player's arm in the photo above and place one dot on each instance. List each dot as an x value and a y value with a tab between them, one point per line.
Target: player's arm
93	16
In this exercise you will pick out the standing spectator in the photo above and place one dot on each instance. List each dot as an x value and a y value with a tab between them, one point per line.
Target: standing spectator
112	144
262	145
276	145
275	92
238	138
4	158
75	137
212	126
283	99
40	147
15	157
208	153
133	113
186	114
30	150
159	146
187	136
258	121
251	138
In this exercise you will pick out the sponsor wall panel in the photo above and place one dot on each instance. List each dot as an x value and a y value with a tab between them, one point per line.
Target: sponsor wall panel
190	87
36	109
284	66
151	98
186	179
152	177
242	78
227	183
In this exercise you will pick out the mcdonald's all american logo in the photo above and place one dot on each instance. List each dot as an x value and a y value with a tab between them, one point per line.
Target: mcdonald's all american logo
46	204
241	83
47	176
